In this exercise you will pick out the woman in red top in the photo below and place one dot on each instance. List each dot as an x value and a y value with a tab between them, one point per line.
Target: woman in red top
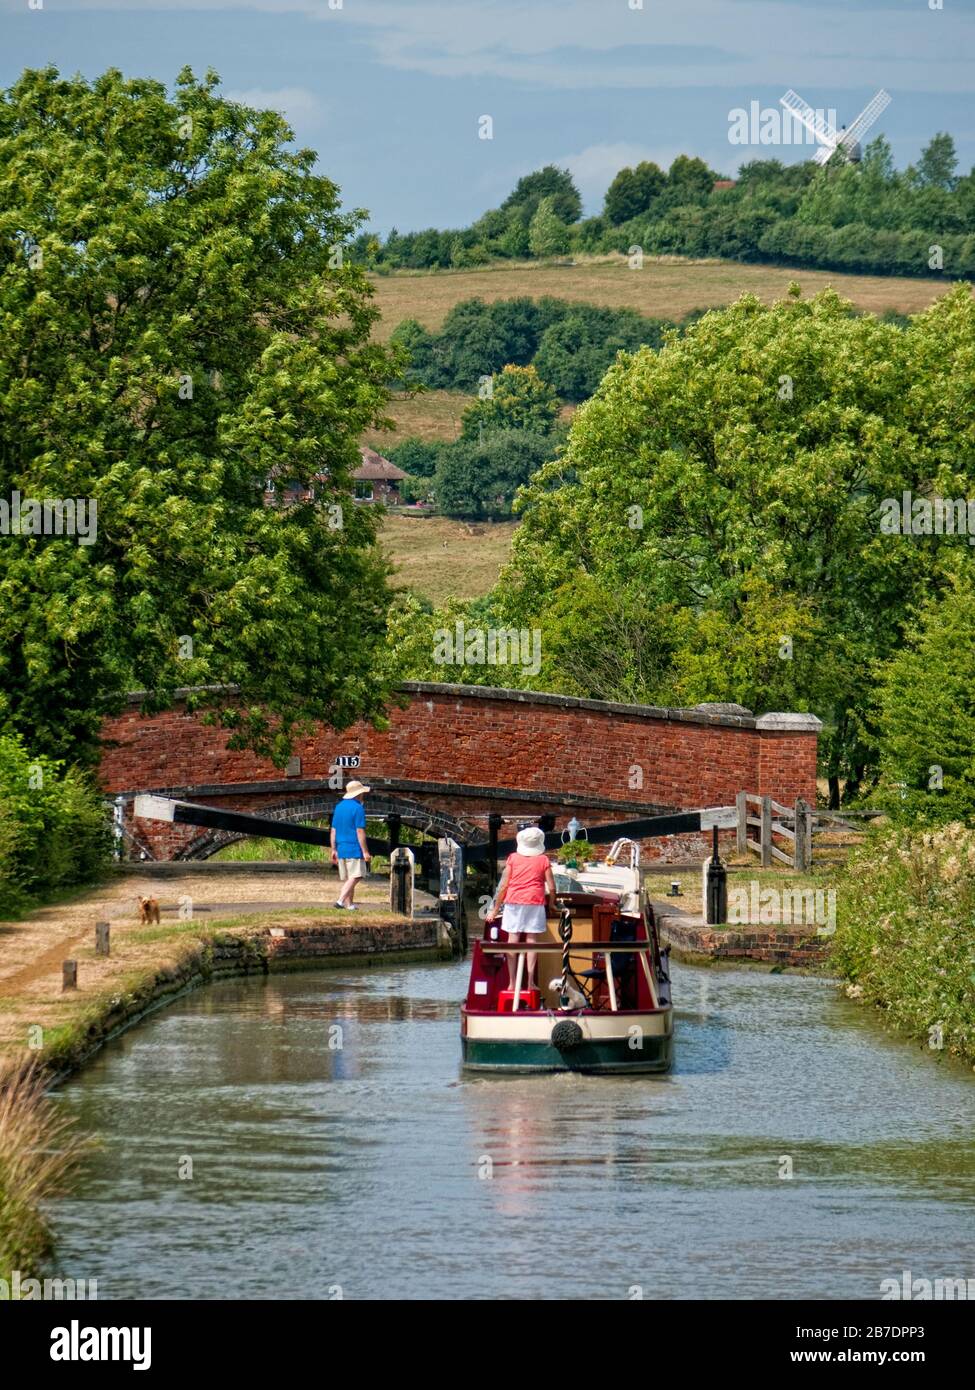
526	884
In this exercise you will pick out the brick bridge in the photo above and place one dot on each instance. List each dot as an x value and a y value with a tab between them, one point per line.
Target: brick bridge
453	754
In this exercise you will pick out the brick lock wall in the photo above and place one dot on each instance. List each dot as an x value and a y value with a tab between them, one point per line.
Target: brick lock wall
455	736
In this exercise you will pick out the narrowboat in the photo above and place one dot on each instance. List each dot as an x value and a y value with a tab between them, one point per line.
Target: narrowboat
602	1002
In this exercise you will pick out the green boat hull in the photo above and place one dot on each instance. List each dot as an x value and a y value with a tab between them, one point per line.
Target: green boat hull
607	1057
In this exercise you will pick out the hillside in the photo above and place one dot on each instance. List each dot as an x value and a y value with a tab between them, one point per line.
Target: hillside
669	287
467	567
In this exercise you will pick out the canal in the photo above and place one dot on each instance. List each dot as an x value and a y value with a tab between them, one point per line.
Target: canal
311	1136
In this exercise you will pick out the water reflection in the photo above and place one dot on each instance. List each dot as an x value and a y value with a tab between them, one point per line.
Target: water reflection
334	1140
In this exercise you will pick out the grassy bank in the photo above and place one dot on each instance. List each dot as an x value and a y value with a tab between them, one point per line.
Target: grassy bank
905	941
147	963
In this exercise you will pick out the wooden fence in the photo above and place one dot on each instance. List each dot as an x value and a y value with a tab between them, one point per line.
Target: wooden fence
795	825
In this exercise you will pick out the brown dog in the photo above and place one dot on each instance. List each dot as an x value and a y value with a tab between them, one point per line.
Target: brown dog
148	910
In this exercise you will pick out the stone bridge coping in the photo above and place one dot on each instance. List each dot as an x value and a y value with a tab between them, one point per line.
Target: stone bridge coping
729	716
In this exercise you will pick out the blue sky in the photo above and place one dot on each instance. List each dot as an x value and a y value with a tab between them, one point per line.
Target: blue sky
389	92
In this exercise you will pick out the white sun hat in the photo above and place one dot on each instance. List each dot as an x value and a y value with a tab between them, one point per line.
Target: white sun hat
531	840
355	789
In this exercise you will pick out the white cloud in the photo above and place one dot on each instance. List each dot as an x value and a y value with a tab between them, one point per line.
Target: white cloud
596	166
298	105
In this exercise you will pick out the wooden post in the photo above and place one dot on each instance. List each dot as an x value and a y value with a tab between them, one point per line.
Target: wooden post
766	836
801	862
741	805
102	933
804	839
69	975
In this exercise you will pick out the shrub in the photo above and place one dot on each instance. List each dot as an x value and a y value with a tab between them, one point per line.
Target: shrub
53	828
904	937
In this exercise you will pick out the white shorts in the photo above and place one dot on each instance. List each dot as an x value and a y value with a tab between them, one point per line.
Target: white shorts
352	868
523	917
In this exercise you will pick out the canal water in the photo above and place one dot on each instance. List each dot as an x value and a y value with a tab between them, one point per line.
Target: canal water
245	1154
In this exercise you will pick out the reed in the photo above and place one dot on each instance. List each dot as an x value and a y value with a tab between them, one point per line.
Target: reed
39	1151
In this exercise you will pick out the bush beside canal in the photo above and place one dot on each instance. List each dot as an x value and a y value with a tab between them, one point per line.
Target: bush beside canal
905	938
54	833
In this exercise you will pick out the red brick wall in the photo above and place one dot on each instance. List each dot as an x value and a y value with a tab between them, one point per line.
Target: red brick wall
454	737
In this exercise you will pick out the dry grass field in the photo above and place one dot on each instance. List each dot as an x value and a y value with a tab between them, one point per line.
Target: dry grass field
431	416
667	287
441	558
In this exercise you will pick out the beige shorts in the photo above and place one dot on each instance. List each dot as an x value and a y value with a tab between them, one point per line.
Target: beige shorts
352	868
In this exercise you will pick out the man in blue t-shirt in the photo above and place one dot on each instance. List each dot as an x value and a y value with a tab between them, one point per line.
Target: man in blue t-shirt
350	851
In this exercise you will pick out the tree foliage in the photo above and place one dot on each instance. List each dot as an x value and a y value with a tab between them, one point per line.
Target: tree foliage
570	344
479	477
926	699
519	400
547	234
732	484
178	325
552	183
53	826
633	192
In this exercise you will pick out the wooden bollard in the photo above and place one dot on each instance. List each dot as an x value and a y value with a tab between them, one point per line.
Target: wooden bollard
102	946
69	975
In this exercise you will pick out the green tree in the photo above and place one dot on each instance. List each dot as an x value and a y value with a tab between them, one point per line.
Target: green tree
737	475
550	182
54	829
179	324
575	352
689	180
479	477
418	457
547	235
519	400
926	698
938	162
633	192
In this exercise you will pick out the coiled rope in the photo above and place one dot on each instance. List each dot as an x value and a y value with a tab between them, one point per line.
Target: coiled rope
565	932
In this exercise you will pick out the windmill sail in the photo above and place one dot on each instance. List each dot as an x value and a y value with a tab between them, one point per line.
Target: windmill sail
813	120
865	120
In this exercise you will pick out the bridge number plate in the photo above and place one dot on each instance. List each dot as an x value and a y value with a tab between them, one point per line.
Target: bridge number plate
347	760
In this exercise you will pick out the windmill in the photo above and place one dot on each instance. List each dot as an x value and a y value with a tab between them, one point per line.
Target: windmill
848	139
